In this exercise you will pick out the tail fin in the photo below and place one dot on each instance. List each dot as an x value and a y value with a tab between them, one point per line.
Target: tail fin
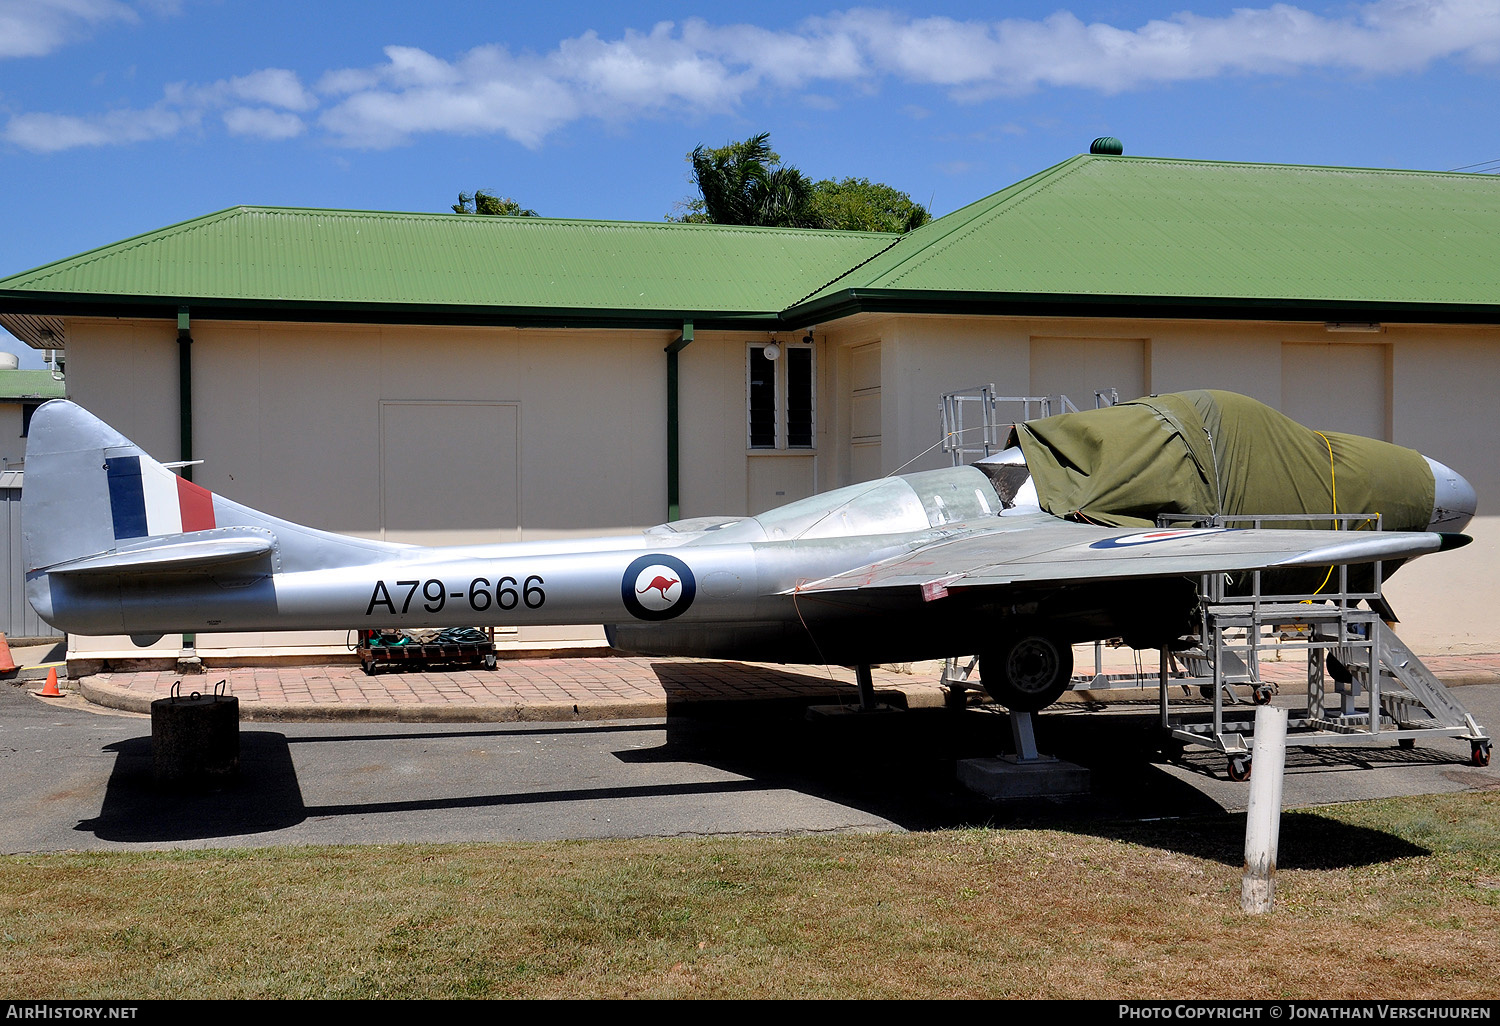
94	502
85	488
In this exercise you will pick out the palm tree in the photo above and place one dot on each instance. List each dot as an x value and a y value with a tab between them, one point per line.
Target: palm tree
744	183
481	202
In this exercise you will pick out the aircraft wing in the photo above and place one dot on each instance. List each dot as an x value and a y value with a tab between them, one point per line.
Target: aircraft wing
1046	550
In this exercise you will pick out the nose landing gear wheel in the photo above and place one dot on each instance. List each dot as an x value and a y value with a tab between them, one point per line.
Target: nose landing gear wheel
1026	671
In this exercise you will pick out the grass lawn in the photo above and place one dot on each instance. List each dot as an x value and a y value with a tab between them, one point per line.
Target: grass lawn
1389	899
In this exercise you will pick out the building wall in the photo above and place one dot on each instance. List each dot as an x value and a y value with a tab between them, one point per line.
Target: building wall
1443	405
12	442
1423	386
480	434
712	433
17	618
311	422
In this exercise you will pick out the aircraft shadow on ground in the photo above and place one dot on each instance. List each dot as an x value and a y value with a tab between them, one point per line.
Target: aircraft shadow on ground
264	797
899	765
902	767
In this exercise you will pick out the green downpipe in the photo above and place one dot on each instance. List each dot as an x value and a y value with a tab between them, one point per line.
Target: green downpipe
185	412
674	452
185	388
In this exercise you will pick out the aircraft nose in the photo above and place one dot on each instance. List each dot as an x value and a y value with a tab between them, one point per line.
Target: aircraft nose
1454	501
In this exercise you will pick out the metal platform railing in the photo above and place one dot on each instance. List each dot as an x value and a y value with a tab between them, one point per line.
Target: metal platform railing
976	421
1363	683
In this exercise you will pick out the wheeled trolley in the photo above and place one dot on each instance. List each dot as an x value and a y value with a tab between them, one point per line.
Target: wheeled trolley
1364	685
449	648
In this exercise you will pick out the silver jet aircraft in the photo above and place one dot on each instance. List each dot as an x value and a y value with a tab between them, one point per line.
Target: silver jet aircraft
924	565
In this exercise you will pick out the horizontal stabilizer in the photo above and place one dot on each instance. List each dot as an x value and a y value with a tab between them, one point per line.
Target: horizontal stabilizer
200	550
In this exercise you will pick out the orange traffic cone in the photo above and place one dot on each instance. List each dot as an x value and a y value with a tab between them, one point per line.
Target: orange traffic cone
7	661
50	691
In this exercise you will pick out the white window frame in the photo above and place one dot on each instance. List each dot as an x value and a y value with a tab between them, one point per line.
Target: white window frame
780	397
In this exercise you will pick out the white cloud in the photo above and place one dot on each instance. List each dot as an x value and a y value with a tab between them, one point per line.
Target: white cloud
35	28
486	92
263	104
273	87
49	133
489	90
697	68
263	123
976	59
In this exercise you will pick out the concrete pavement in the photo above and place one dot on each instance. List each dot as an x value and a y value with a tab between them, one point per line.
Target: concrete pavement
592	747
574	687
524	690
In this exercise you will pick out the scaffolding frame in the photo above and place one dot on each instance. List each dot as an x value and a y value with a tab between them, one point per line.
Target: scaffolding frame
1364	685
963	407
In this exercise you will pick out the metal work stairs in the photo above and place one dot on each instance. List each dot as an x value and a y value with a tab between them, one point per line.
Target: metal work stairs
1410	694
1364	684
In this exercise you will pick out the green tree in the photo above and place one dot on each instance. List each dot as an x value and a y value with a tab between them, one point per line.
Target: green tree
860	205
481	202
746	183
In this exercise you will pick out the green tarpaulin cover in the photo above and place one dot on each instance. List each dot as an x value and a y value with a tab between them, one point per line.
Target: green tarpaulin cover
1210	452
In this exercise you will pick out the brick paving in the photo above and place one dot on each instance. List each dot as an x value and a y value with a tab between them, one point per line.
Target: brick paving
596	687
578	687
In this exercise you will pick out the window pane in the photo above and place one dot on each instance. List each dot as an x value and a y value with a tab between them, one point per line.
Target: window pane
799	398
762	389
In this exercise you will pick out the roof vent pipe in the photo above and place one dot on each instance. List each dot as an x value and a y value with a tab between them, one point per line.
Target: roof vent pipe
1107	144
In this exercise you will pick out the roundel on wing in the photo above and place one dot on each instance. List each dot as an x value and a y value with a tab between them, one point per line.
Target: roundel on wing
657	587
1151	537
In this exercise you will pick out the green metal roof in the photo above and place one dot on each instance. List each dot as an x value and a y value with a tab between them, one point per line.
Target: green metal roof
1149	231
292	260
1096	234
30	384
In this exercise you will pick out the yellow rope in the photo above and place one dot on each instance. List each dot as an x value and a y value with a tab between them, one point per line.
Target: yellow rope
1333	484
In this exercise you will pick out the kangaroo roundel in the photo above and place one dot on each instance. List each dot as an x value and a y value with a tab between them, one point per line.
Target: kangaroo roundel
657	587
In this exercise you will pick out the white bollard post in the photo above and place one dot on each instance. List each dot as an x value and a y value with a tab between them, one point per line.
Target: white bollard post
1263	816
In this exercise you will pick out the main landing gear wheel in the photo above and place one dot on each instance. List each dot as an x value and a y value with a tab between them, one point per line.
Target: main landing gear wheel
1026	672
1239	767
1479	753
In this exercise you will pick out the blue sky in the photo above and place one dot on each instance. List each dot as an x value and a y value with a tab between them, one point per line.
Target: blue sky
121	116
